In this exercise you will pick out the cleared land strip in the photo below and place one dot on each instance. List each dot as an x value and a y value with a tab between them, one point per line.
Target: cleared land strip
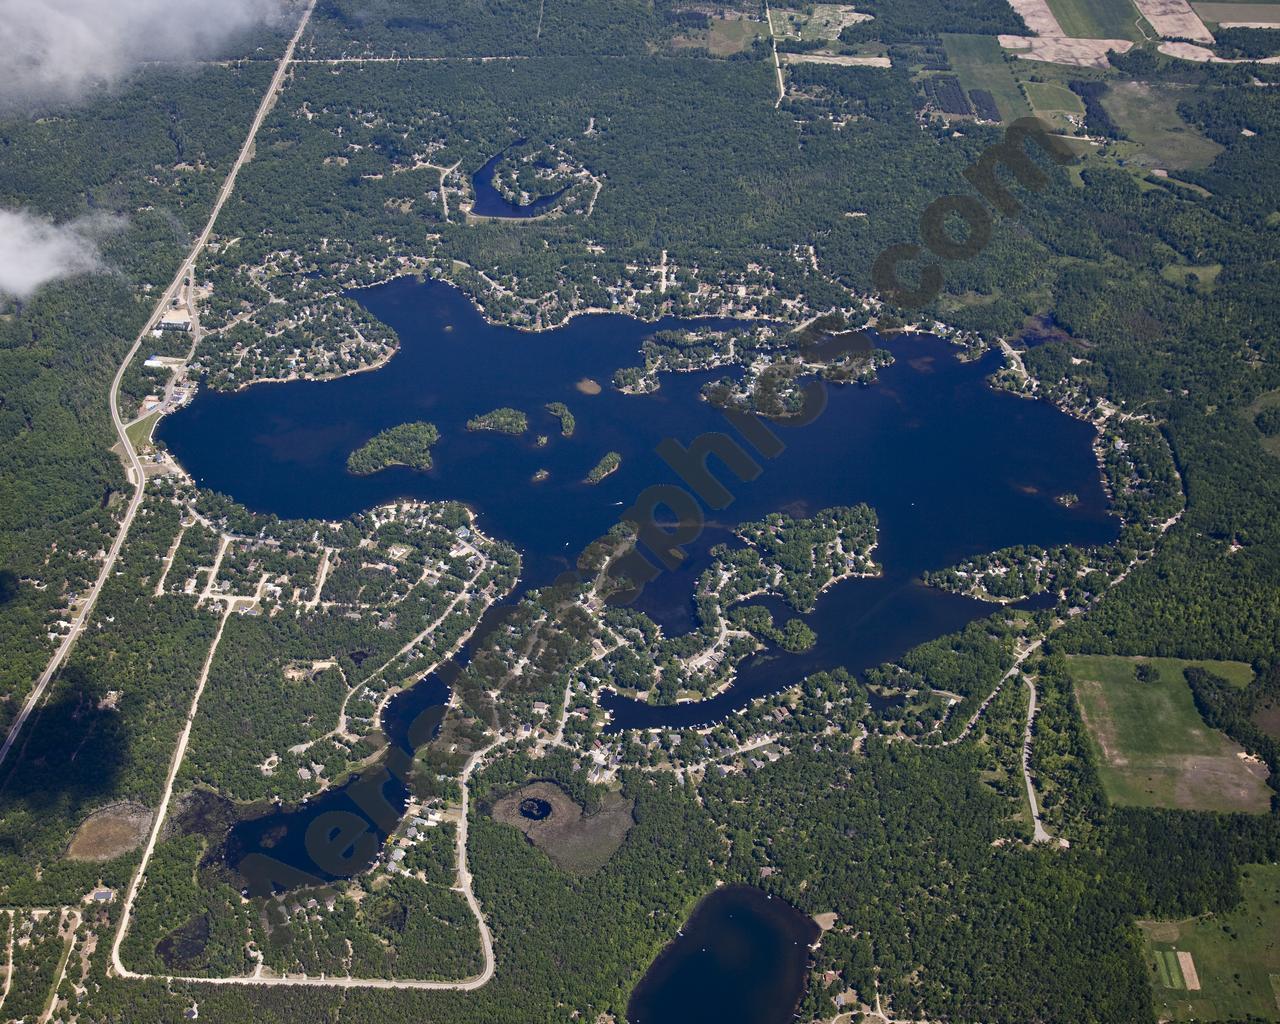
777	67
1040	834
134	469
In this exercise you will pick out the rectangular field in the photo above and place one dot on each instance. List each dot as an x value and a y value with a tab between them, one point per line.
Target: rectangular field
1234	13
1174	19
1050	97
979	63
1154	749
1222	966
1097	19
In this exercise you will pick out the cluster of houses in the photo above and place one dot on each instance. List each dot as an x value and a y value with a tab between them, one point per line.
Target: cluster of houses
418	825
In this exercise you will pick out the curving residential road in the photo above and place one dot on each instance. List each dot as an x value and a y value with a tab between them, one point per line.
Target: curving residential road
463	886
133	465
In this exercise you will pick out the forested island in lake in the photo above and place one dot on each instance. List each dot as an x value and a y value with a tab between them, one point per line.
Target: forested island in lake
609	463
502	421
409	444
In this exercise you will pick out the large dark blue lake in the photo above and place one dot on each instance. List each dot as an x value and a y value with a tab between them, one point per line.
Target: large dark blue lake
742	956
952	467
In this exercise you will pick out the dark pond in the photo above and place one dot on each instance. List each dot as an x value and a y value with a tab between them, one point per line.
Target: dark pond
742	957
952	468
291	836
492	203
535	809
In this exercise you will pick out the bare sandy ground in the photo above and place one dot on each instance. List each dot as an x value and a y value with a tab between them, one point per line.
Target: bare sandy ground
1203	55
848	60
1082	53
1187	965
1039	18
1174	19
1049	43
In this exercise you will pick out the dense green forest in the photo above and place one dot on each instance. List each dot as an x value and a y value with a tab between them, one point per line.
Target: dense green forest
153	155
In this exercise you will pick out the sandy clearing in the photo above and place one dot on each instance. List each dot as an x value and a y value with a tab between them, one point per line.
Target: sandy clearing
1241	14
1081	53
110	832
844	59
1203	55
1189	975
1174	19
1039	18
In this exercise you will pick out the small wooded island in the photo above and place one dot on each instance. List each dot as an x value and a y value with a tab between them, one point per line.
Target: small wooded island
505	421
607	465
409	444
561	412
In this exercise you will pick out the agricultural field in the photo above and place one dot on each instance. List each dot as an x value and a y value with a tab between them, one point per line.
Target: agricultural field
1055	103
1154	749
1240	12
1148	115
1046	97
980	65
1234	957
1097	19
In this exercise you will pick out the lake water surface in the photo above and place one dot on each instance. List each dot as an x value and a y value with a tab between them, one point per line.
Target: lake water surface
952	468
741	957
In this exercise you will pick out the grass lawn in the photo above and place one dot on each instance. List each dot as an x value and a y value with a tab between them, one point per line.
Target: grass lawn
1148	114
1205	276
139	433
1154	749
1236	956
733	35
1046	97
1266	401
979	63
1097	19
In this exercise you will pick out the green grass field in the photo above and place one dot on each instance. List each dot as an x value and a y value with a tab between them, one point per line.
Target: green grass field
140	432
1149	117
728	36
1097	19
1236	956
1154	749
1047	97
1205	276
979	63
1266	401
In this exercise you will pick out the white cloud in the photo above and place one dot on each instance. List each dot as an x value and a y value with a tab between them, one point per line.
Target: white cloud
34	251
57	50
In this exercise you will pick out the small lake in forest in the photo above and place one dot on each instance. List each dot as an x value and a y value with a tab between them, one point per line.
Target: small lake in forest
742	956
952	468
